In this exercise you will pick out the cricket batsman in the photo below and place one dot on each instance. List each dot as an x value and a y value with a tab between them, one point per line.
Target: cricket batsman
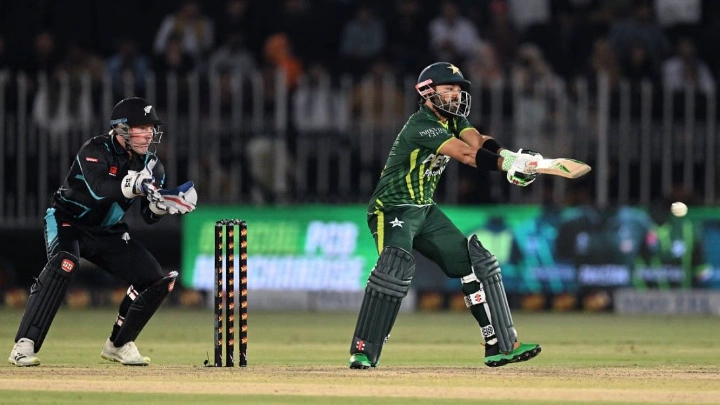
402	216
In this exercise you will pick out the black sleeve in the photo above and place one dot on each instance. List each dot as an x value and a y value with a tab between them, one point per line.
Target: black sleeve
94	162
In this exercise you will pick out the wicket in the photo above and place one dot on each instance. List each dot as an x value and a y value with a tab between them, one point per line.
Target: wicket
227	272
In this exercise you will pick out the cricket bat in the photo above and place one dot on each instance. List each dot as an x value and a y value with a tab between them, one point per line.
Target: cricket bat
563	167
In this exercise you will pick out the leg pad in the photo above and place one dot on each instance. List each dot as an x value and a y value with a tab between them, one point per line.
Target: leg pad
487	270
387	285
46	296
143	307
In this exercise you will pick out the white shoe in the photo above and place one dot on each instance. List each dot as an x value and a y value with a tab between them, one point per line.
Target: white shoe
127	354
23	354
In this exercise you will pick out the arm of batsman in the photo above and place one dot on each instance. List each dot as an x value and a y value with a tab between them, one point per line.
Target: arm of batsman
178	201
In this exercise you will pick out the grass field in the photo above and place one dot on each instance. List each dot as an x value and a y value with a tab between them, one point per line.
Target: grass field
432	358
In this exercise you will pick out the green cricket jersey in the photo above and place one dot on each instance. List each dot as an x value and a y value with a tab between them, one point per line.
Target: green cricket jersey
414	166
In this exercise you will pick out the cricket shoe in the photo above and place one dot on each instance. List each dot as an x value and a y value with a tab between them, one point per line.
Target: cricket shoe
23	354
359	361
126	354
521	352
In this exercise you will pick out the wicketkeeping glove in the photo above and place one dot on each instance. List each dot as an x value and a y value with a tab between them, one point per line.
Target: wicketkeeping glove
520	166
178	201
140	183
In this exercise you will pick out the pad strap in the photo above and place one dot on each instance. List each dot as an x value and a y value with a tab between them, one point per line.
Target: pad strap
475	299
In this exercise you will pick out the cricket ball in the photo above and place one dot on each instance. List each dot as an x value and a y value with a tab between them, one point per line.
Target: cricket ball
679	209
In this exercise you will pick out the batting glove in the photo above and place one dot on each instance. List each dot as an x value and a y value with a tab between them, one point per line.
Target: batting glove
520	166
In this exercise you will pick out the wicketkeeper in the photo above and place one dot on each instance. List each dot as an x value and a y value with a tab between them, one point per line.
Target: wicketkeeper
110	173
402	216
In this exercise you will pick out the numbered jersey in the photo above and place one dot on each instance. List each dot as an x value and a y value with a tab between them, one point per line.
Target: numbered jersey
414	166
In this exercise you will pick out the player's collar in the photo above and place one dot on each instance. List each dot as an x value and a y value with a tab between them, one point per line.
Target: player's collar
430	113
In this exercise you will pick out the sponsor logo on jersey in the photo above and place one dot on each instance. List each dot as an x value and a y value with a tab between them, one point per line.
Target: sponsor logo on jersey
437	164
432	132
91	159
113	171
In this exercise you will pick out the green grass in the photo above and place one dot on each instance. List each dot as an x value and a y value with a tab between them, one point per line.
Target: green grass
299	357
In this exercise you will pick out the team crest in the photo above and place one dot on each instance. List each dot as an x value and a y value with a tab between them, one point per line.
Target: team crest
147	109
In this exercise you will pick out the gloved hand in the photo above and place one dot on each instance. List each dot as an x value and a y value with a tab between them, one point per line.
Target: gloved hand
140	183
521	166
178	201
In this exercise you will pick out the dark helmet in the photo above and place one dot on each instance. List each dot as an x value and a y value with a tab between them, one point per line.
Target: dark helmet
134	112
444	73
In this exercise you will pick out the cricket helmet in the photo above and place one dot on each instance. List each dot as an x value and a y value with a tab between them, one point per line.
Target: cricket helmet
444	73
135	112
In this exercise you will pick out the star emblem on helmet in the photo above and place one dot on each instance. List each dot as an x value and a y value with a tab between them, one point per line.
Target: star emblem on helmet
454	68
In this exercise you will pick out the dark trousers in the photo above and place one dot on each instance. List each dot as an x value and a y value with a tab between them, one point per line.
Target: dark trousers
115	252
426	229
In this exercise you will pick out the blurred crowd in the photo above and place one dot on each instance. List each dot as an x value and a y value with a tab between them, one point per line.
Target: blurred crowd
668	42
77	59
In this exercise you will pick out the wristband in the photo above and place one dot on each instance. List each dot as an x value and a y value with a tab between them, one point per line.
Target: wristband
486	160
492	145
